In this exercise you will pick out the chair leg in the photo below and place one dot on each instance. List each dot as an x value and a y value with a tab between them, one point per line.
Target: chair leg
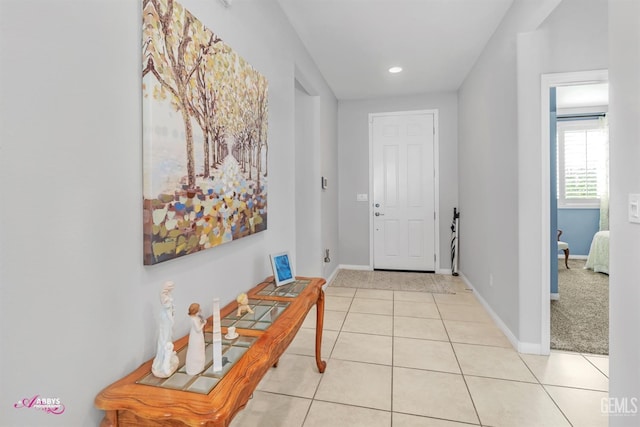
566	258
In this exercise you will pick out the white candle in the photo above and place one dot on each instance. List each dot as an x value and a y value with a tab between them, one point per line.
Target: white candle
216	315
217	337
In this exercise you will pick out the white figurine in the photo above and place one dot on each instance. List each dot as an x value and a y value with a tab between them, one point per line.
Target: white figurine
166	360
195	350
243	304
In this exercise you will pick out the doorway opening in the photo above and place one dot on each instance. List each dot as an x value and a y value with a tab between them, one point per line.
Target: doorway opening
574	107
308	235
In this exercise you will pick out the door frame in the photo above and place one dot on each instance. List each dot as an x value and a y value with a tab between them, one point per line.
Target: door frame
548	81
436	180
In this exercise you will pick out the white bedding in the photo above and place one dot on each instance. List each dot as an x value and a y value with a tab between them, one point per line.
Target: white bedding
598	259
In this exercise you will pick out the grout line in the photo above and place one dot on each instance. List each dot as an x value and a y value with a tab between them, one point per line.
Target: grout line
393	338
464	378
595	366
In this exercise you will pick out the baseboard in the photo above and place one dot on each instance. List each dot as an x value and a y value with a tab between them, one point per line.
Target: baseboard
507	332
530	348
331	277
555	296
444	271
355	267
561	257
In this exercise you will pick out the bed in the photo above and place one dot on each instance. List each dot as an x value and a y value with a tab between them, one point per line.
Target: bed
598	259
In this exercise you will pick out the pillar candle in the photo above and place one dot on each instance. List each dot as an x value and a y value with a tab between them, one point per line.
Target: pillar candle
217	337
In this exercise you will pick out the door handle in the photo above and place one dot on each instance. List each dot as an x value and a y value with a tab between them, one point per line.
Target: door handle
378	214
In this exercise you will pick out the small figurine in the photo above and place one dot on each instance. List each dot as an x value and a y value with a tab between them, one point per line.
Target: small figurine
195	350
166	360
243	304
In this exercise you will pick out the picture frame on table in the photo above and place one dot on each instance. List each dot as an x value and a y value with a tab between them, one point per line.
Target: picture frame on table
282	268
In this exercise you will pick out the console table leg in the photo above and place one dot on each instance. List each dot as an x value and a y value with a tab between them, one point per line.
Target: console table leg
110	419
319	325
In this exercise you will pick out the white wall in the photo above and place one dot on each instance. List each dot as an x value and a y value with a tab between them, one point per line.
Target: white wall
353	136
572	38
624	136
77	307
488	165
307	202
500	152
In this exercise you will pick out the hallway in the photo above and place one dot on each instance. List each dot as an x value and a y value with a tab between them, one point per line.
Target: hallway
401	358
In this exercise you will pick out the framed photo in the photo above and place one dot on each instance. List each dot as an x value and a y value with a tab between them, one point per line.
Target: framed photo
282	268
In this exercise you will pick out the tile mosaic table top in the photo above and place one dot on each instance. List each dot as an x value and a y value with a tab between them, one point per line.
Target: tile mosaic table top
291	290
204	382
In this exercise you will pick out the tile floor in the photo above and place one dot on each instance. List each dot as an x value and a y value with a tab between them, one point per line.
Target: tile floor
410	359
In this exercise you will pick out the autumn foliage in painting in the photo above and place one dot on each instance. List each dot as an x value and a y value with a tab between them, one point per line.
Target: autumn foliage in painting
205	137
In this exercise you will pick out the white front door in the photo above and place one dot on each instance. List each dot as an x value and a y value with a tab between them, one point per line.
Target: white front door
403	191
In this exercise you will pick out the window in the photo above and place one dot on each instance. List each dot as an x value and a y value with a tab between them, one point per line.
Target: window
581	162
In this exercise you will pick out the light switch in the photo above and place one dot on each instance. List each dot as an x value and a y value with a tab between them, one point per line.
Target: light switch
634	208
362	197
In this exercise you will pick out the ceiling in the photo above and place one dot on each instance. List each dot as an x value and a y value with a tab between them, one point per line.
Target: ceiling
355	42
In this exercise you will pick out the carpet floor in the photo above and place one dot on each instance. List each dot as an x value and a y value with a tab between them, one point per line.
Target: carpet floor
398	281
580	318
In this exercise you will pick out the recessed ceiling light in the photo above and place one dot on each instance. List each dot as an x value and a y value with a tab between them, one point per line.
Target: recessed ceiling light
394	70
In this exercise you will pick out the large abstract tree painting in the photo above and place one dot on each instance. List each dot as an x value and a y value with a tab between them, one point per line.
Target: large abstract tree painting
204	137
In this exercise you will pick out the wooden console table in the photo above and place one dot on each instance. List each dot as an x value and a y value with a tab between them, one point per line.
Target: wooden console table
136	401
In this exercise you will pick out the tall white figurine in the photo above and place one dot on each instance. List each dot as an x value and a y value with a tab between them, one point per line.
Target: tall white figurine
166	360
195	350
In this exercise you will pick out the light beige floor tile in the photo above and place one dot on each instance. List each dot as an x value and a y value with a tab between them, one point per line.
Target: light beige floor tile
272	410
464	312
332	320
566	369
424	354
325	414
414	327
600	362
433	394
494	362
476	333
304	343
503	403
404	420
416	309
371	306
294	376
466	298
354	383
336	303
374	293
581	407
368	324
340	291
364	348
413	296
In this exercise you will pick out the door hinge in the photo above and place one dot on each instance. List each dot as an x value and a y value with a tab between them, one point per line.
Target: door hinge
434	215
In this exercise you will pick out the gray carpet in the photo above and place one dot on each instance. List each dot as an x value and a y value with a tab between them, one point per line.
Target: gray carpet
580	318
397	281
